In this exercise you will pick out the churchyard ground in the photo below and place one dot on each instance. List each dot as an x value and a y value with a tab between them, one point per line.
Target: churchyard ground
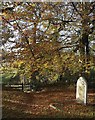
52	102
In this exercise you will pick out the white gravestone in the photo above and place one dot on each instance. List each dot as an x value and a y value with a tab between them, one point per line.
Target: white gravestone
81	91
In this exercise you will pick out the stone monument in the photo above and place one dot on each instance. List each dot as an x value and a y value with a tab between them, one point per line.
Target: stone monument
81	91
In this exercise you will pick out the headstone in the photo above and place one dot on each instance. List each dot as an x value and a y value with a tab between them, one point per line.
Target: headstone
81	91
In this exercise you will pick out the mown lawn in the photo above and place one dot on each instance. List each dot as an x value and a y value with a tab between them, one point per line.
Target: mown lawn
50	103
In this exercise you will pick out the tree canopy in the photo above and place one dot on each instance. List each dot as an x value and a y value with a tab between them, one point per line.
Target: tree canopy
54	38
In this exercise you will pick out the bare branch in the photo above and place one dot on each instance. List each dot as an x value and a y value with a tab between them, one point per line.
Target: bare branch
76	9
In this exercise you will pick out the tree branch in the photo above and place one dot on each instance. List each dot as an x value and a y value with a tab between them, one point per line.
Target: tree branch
27	41
76	9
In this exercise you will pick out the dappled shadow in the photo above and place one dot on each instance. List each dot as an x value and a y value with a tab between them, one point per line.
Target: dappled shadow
91	104
50	102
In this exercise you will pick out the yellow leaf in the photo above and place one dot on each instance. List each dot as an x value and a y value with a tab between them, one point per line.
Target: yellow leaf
46	65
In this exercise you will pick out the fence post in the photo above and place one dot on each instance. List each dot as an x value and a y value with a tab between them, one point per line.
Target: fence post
22	86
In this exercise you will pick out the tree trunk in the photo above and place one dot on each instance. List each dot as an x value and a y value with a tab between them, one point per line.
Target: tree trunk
84	52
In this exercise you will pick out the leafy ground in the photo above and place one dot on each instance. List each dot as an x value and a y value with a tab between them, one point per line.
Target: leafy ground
50	103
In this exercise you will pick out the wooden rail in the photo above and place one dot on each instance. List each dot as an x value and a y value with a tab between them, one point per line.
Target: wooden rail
18	86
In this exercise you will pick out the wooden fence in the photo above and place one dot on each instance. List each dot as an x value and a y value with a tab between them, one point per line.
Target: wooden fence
22	86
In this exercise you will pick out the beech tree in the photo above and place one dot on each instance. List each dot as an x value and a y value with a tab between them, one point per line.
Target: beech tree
47	36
